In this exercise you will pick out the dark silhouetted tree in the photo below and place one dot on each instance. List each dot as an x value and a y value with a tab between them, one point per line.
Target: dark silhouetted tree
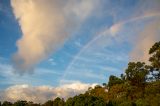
113	80
58	102
6	103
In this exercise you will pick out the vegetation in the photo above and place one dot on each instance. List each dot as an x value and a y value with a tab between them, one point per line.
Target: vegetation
138	86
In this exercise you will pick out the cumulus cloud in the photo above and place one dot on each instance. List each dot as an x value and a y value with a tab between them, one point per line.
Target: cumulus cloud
45	26
40	94
145	40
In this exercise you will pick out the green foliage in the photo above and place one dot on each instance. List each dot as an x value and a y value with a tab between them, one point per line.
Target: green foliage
6	103
58	102
127	103
20	103
98	91
155	60
113	80
48	103
85	100
141	102
136	73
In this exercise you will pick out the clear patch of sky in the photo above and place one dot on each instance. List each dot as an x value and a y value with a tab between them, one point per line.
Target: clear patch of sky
9	30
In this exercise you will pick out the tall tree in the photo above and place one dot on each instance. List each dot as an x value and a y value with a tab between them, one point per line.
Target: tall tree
136	73
155	60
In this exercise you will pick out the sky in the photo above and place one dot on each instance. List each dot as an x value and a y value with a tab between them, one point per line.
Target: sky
51	48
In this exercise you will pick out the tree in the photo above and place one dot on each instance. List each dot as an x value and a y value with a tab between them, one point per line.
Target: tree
48	103
97	91
136	73
6	103
122	77
155	60
85	100
58	102
113	80
20	103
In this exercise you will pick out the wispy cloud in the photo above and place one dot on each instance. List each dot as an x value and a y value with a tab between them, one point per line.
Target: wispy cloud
10	78
89	74
51	61
115	28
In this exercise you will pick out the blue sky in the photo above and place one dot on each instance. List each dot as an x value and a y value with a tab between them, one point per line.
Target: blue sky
73	41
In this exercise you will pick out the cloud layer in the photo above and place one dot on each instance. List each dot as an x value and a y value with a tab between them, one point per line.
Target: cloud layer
41	94
45	26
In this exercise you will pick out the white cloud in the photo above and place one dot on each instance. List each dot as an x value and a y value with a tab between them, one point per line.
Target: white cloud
45	26
41	94
80	8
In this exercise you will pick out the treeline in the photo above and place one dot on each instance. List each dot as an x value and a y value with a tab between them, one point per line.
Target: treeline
138	86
